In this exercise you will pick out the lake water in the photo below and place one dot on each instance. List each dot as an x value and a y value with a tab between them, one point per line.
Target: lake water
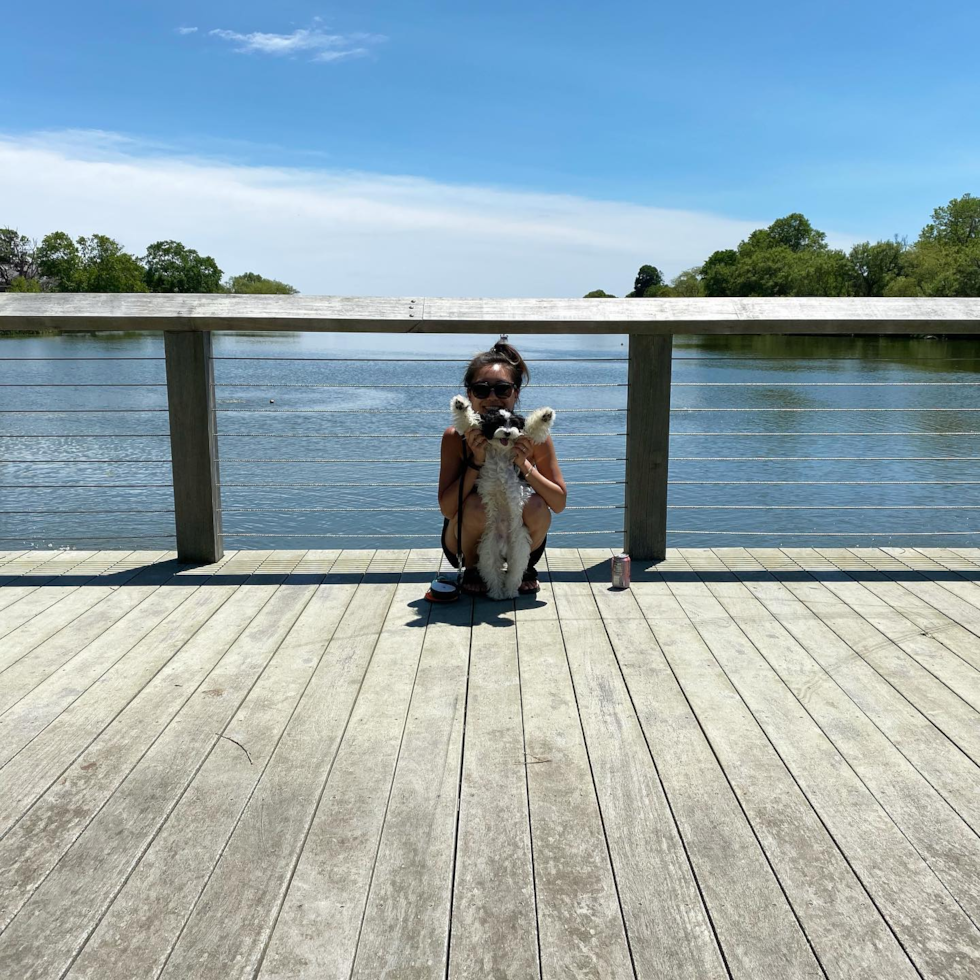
332	440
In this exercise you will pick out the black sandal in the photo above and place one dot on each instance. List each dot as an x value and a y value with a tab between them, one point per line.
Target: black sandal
529	579
473	583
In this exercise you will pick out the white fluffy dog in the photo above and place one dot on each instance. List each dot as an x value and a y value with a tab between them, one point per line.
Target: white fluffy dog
505	538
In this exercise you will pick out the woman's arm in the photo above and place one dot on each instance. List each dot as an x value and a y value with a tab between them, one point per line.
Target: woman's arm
539	464
451	461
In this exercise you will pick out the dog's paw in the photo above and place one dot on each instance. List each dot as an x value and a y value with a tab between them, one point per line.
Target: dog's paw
459	403
539	424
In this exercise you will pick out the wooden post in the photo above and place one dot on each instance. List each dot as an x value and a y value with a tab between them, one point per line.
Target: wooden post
647	446
193	446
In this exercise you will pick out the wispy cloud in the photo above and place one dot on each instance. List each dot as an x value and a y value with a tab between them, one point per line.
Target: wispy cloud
186	30
322	46
329	231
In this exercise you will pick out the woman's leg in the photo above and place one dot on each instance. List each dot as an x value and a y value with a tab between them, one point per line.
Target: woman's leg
537	519
474	520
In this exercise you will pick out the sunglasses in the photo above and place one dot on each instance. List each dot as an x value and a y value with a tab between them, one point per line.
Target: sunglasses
500	388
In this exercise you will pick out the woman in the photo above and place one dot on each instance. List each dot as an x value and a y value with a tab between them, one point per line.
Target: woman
493	380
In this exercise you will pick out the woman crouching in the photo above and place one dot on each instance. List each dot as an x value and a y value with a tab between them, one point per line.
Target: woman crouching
494	380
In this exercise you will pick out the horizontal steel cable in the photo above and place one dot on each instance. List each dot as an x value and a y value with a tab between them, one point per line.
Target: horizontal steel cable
113	512
359	534
99	537
86	486
222	459
763	358
817	410
126	357
292	384
776	459
825	483
824	534
333	510
62	461
819	507
430	484
77	411
438	411
570	459
83	384
408	360
437	435
383	411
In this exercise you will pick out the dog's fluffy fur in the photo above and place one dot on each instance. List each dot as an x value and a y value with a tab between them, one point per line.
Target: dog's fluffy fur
505	538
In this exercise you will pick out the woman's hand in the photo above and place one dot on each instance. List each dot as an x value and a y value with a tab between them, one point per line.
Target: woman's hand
523	449
477	442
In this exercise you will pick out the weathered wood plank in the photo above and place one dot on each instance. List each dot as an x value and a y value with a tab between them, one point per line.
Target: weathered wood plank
88	611
188	312
142	924
405	935
570	587
941	837
931	608
957	720
847	932
125	673
44	570
28	600
917	627
948	770
65	907
96	639
494	924
941	940
649	860
225	656
580	922
229	930
757	927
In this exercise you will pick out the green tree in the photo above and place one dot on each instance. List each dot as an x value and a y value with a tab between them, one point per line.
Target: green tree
599	294
945	261
252	282
956	224
795	233
648	278
60	263
21	284
18	258
789	258
95	264
171	267
873	268
687	283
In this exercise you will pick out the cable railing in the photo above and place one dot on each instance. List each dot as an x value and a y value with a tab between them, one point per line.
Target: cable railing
222	491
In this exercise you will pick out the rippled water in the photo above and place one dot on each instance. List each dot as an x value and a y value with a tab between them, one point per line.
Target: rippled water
775	441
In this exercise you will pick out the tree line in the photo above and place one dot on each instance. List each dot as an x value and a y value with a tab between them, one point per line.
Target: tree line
98	264
791	258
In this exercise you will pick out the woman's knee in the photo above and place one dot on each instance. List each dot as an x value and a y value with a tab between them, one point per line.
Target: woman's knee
474	514
537	514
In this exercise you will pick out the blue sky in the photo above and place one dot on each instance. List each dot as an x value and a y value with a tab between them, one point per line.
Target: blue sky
591	122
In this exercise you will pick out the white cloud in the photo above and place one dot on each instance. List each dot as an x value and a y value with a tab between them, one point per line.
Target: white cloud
326	47
186	30
348	232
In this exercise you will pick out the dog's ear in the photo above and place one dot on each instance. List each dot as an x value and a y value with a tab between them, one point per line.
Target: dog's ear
539	424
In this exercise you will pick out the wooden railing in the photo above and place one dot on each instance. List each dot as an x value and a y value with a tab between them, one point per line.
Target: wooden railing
187	322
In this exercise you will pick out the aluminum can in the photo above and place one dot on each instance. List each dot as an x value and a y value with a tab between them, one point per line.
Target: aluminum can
621	571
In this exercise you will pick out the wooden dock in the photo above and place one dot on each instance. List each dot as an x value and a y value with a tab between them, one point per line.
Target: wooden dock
756	764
